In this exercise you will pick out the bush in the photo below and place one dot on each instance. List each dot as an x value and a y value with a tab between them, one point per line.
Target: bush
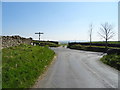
76	46
46	43
112	60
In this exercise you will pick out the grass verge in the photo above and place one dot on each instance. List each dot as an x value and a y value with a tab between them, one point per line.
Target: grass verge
23	64
112	60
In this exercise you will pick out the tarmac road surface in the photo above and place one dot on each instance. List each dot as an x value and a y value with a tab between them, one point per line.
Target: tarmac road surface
78	69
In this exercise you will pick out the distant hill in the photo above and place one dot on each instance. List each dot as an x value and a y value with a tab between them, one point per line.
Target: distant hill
67	41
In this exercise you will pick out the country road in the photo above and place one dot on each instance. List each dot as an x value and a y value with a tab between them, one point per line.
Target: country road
78	69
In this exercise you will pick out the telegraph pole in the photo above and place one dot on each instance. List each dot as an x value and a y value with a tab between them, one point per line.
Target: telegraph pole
39	34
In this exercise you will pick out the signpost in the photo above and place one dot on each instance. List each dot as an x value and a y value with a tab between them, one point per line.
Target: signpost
39	33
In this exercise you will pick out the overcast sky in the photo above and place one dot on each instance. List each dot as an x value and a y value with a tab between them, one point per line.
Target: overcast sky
58	20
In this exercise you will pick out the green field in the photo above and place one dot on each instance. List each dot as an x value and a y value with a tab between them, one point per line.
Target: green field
87	46
109	42
23	64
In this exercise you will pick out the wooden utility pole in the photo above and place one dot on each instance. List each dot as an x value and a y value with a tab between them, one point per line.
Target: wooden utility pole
39	34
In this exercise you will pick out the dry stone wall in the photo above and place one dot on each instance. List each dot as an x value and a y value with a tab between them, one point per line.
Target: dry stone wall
9	41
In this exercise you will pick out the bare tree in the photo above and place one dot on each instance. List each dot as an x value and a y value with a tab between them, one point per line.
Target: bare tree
106	32
90	33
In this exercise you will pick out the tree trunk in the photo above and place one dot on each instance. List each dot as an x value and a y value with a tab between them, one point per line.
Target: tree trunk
106	45
90	41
